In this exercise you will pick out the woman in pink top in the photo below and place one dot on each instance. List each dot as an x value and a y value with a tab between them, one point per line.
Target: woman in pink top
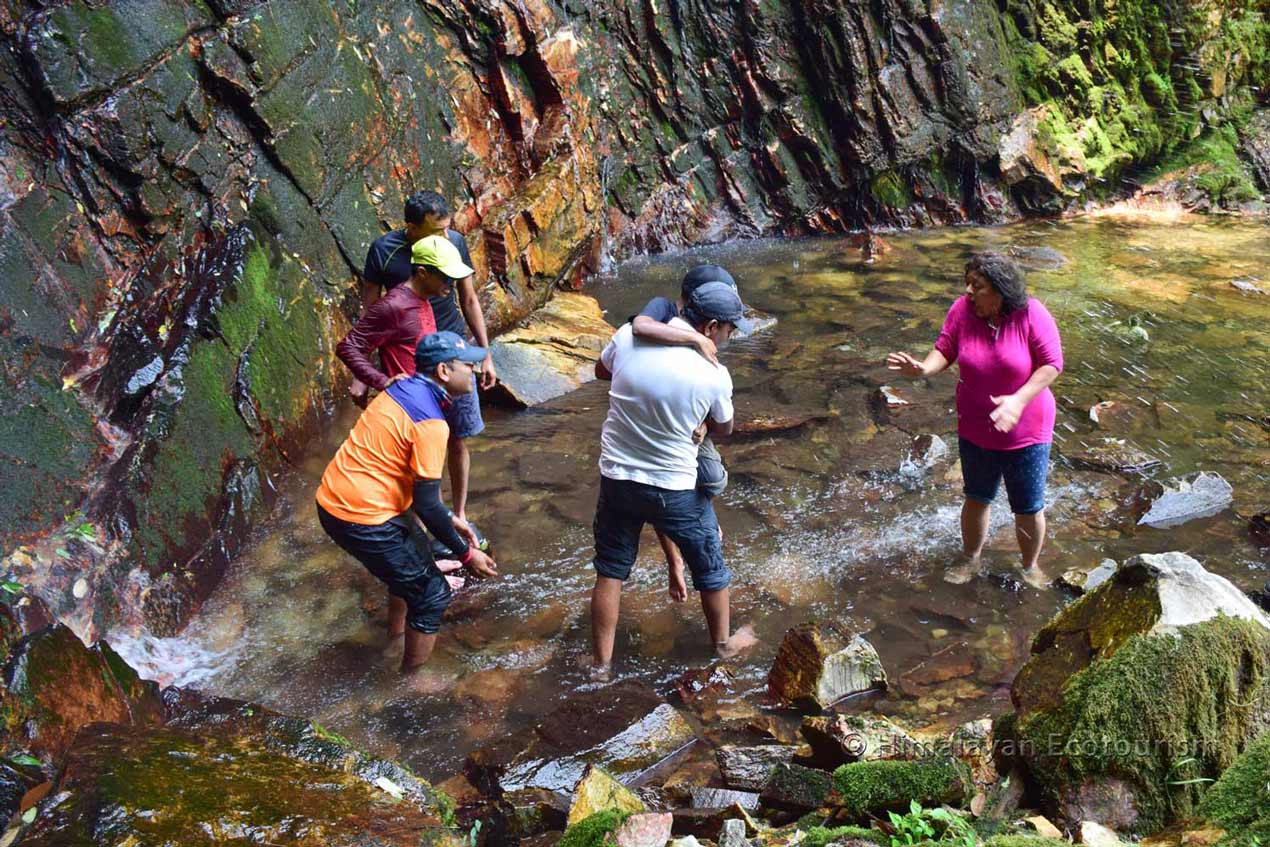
1008	351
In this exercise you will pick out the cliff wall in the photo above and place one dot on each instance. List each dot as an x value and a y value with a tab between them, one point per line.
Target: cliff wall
187	190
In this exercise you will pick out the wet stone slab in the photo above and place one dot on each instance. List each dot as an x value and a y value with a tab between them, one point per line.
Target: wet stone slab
626	728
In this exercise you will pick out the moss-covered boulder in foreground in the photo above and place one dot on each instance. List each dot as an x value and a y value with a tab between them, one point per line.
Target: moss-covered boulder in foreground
1239	802
1139	693
873	787
1133	738
53	685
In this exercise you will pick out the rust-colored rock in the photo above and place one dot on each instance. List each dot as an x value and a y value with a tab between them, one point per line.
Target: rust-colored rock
821	664
54	686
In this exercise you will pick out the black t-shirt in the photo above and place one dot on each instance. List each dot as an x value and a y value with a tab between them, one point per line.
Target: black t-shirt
659	309
388	265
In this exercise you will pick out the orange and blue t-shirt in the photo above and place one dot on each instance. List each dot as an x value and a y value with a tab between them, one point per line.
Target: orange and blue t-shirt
400	437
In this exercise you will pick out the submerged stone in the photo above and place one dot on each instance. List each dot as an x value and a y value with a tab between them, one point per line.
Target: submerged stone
625	728
821	664
1113	455
1201	495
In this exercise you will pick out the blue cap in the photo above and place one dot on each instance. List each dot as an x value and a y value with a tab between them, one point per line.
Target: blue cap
717	301
702	274
445	347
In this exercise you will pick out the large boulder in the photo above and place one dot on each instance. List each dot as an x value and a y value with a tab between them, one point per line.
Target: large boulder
1139	693
820	663
551	352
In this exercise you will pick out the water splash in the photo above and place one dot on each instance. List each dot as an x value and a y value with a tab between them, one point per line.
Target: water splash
179	660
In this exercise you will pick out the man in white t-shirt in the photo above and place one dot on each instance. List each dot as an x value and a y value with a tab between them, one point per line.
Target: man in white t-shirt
660	395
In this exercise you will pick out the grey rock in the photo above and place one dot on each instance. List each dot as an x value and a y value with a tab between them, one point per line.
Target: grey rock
1201	495
747	768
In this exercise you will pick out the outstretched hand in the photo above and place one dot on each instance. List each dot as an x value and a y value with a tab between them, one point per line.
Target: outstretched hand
1007	413
905	364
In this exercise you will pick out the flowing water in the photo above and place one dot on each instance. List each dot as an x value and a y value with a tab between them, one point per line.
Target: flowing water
851	515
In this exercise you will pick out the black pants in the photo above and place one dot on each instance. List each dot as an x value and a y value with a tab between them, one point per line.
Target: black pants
389	551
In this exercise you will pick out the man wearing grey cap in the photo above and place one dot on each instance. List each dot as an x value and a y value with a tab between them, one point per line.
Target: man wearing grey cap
648	467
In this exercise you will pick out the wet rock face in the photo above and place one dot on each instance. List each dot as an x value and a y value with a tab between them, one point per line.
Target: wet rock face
174	786
54	686
187	190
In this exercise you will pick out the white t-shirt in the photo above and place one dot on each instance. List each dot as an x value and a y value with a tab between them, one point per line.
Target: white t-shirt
660	393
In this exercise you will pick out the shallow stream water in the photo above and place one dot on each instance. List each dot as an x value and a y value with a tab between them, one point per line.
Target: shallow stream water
852	515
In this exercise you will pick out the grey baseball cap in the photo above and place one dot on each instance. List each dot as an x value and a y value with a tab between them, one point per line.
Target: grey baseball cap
717	301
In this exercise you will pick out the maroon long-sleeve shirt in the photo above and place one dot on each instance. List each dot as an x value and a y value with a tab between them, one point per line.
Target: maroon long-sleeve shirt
393	326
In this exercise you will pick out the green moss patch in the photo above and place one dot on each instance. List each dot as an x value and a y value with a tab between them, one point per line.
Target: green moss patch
1217	169
871	787
593	831
1240	800
1164	714
1127	81
819	836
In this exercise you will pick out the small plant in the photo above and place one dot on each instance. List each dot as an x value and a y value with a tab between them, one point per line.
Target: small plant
911	828
938	825
473	834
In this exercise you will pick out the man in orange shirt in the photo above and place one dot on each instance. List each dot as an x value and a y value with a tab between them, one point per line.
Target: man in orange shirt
393	458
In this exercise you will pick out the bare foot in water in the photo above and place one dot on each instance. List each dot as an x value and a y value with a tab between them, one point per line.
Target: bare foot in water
741	640
1036	577
962	570
601	673
426	682
396	646
677	588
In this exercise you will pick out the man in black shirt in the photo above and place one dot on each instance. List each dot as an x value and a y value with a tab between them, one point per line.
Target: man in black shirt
388	265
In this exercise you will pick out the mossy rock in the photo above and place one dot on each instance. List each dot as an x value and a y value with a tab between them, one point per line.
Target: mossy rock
1239	801
1024	841
865	788
820	836
1133	738
594	830
54	686
1148	594
122	785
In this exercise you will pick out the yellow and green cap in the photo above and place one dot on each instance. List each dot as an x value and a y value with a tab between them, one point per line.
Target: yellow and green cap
436	251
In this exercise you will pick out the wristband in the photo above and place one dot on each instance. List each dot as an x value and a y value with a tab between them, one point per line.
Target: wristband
467	555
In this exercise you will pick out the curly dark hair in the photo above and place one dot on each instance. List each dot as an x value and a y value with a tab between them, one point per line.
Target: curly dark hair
1004	275
423	203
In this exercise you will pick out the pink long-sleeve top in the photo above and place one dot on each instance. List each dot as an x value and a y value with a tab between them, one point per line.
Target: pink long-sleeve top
998	361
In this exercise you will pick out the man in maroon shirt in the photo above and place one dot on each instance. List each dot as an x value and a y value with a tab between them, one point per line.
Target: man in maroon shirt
393	325
396	322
